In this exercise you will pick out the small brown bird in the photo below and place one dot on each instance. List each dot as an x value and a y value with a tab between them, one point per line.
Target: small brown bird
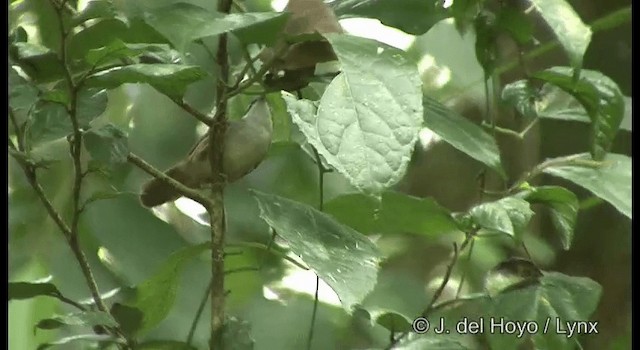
246	144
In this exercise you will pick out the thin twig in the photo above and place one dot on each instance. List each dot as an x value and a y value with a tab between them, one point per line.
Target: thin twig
261	72
179	187
194	323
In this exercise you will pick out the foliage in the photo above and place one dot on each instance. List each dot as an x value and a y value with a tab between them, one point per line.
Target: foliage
92	88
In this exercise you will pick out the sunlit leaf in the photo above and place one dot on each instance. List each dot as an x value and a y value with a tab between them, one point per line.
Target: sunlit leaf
344	258
610	180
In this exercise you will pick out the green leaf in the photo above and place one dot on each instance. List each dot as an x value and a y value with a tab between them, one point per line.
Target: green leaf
412	16
508	215
564	206
118	49
522	96
156	295
50	121
556	297
169	79
93	338
369	116
28	290
609	180
183	23
22	94
395	213
41	64
84	318
600	97
108	145
129	318
94	9
91	104
164	345
462	134
515	22
572	33
341	256
105	32
486	41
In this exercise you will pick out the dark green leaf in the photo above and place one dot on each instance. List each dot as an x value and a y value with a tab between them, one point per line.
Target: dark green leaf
95	9
369	116
41	64
85	318
169	79
412	16
91	104
556	298
573	34
92	338
118	49
609	180
22	94
515	22
107	145
341	256
183	23
563	205
522	96
486	41
129	318
155	296
462	134
600	97
395	213
50	121
28	290
105	32
508	215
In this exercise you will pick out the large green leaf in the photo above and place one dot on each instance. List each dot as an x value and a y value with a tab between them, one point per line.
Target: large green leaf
412	16
50	121
156	295
344	258
601	98
107	145
610	181
573	34
28	290
462	134
41	64
183	23
508	215
118	49
395	213
169	79
369	116
556	300
563	205
22	94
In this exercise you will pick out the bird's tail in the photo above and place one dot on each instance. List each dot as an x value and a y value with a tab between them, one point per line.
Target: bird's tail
156	192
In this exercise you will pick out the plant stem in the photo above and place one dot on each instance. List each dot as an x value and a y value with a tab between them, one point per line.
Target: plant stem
216	209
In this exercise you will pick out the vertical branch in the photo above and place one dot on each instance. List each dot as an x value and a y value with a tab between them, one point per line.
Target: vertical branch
216	209
75	144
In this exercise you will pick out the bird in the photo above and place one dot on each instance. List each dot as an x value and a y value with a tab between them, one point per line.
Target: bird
246	144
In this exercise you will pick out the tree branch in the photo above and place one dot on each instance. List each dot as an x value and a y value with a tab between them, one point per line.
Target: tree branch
216	209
